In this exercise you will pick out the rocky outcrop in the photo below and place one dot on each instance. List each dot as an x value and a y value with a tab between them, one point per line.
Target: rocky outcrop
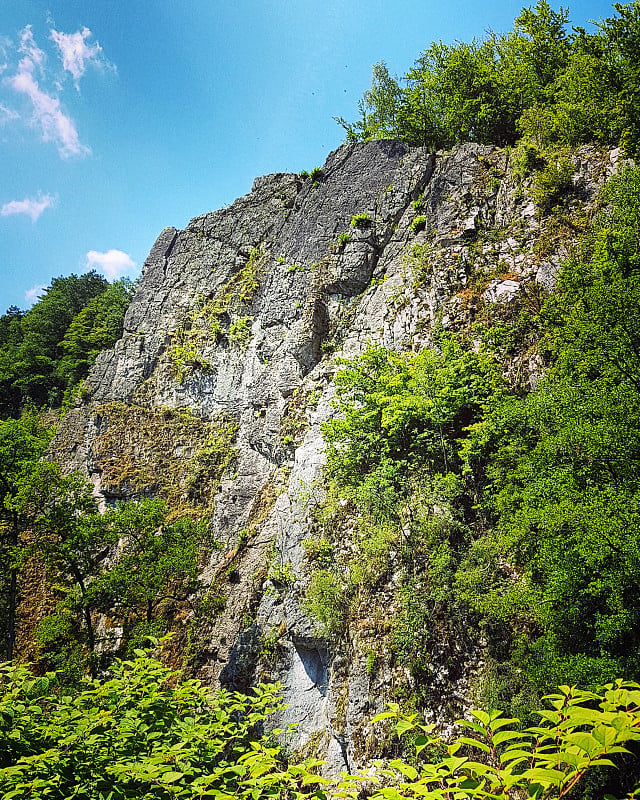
233	332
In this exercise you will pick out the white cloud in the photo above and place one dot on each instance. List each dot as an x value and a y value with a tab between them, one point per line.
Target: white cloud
30	50
48	116
113	263
35	293
7	114
77	54
29	206
54	124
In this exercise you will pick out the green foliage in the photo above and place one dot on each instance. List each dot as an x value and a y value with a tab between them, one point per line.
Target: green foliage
378	108
361	220
552	182
563	467
404	409
49	349
158	561
553	84
327	600
152	560
578	733
142	732
23	441
418	223
344	238
145	731
240	331
97	327
186	358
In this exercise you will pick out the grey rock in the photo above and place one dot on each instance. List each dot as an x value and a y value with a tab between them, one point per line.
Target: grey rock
315	299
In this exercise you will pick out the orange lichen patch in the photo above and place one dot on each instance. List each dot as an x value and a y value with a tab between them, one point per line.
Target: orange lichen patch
162	453
36	599
262	505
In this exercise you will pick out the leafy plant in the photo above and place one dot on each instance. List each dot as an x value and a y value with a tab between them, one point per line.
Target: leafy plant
550	183
361	220
577	732
240	330
144	731
418	223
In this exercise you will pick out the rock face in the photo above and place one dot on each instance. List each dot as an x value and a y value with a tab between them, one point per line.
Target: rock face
231	341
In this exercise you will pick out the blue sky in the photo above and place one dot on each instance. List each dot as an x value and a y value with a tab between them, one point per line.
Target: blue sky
121	117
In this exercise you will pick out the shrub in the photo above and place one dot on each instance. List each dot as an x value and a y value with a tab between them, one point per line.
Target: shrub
361	221
550	183
344	238
143	732
240	330
419	223
327	601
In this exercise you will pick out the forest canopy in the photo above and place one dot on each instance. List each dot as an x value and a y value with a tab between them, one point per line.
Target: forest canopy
46	351
543	80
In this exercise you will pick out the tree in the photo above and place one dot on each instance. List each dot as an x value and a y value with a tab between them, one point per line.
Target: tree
22	443
158	561
67	534
123	562
47	351
98	326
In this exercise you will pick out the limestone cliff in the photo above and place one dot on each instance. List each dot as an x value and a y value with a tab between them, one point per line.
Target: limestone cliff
215	394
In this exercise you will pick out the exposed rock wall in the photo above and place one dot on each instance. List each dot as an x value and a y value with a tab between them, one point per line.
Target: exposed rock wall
234	330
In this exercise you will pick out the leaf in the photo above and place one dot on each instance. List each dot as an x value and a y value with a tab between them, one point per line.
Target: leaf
506	736
474	743
403	726
406	769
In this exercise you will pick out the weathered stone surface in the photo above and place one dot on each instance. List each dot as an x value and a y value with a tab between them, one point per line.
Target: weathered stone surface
274	266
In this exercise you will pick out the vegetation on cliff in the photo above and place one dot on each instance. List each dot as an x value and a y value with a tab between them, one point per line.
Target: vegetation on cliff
542	81
146	732
46	351
507	515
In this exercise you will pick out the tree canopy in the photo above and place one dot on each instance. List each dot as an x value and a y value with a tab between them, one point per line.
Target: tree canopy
544	80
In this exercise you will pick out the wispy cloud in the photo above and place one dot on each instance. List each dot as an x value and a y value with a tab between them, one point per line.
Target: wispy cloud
29	206
36	79
35	293
54	124
77	54
114	263
7	114
30	50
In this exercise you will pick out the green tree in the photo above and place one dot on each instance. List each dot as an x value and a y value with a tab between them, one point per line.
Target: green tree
98	326
22	443
158	561
67	534
378	108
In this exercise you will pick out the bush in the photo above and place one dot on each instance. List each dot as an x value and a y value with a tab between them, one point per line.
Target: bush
143	732
361	221
327	601
550	183
419	223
